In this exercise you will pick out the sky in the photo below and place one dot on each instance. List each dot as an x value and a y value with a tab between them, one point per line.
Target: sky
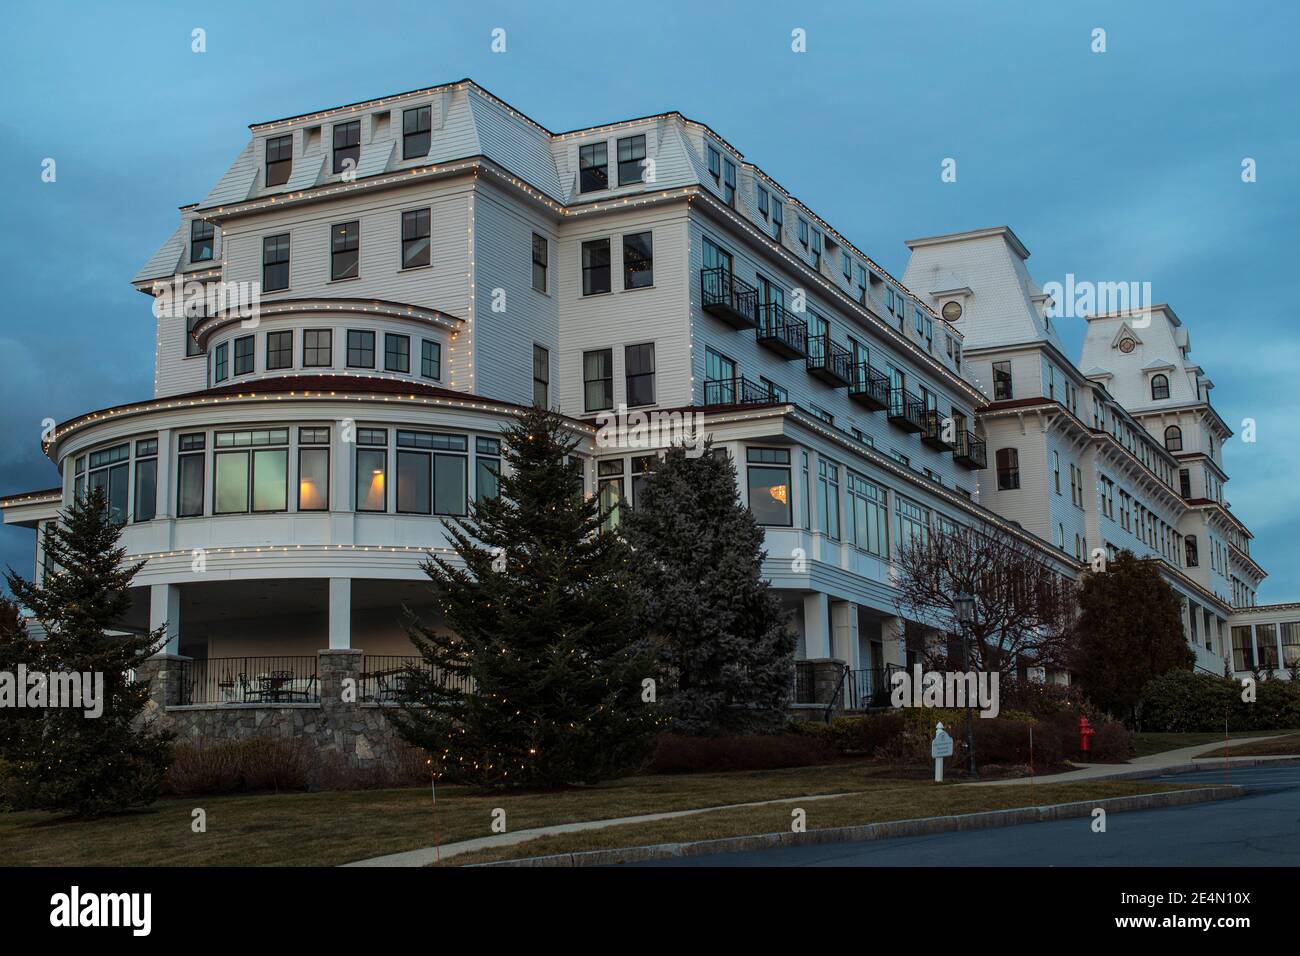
1122	165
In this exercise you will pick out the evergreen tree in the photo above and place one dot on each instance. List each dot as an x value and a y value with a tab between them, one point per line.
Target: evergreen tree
535	671
723	635
87	765
1130	630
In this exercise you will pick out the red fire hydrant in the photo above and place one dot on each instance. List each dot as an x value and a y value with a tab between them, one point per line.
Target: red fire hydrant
1085	731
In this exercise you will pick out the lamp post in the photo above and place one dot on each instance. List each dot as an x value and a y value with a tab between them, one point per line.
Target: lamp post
964	606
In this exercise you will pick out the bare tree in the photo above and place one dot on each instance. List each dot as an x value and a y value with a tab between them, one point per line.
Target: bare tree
1024	609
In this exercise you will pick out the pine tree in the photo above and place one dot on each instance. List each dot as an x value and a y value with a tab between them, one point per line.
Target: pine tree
1130	630
534	676
724	637
87	765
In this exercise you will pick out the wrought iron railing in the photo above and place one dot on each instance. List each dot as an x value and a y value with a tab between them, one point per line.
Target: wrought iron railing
387	679
906	410
735	391
731	299
970	450
828	360
869	387
250	680
781	331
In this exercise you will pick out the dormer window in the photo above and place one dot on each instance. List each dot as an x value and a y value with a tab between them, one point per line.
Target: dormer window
416	131
631	160
1159	387
715	165
817	247
729	182
279	159
762	200
803	232
778	216
347	145
201	234
593	167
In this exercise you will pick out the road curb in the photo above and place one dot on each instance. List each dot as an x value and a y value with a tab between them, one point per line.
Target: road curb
882	831
1198	764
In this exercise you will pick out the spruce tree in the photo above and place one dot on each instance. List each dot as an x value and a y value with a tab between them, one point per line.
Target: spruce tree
534	671
88	765
1129	631
725	643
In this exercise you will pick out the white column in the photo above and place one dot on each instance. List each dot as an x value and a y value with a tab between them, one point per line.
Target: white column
340	613
844	633
165	611
165	503
892	642
816	627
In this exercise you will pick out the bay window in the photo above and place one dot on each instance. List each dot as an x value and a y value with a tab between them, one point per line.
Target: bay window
250	474
768	475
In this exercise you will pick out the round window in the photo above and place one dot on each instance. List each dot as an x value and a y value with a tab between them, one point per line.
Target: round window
1126	346
952	311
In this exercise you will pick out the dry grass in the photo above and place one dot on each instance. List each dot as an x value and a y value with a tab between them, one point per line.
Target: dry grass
1285	746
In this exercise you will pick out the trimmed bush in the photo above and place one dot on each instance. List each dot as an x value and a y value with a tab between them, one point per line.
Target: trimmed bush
1183	702
673	753
259	763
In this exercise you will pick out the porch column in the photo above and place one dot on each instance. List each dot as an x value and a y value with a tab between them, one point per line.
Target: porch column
816	627
844	633
893	641
340	613
165	611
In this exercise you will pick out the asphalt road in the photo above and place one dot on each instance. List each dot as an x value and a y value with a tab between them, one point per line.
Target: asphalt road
1260	829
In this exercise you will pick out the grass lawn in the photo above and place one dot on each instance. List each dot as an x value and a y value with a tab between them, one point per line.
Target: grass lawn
1282	746
328	828
901	803
1158	743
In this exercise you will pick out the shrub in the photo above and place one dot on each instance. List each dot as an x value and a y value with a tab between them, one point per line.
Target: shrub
1112	743
673	753
1182	702
258	763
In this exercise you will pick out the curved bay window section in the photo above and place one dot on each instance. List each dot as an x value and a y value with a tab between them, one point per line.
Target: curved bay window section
251	471
432	473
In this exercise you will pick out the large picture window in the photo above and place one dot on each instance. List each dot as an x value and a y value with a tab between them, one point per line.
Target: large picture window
251	471
769	485
432	473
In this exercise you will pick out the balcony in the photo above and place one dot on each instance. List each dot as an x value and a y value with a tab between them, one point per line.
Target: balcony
969	451
933	433
782	332
869	387
906	410
725	297
250	680
828	361
735	391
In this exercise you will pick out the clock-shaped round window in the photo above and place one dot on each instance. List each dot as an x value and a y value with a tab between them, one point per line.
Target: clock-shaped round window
951	311
1126	346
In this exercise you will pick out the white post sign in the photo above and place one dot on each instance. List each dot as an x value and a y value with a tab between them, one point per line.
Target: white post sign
940	747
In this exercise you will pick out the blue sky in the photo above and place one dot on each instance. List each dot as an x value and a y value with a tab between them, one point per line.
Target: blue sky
1121	165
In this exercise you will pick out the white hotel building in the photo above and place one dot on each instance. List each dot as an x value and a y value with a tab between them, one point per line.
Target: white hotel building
433	261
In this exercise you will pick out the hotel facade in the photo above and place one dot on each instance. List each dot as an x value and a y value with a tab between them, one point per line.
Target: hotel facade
432	262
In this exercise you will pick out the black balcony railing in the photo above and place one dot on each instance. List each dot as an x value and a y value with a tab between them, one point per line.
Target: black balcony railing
730	299
805	685
871	687
250	680
735	391
906	410
869	387
970	451
939	431
829	361
780	331
388	679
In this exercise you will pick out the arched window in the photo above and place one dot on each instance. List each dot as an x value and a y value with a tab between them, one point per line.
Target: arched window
1189	544
1160	386
1008	460
1173	438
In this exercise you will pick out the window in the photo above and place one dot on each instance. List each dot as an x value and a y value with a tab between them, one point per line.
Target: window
279	159
817	248
631	160
416	126
642	466
416	250
244	355
762	200
1076	486
778	216
1056	471
541	377
609	485
774	391
715	164
718	368
361	349
867	515
430	359
819	412
803	232
1243	649
345	250
595	267
1173	438
146	479
1159	386
189	475
729	182
313	469
1290	643
1193	558
598	380
913	522
768	474
487	468
1266	645
828	497
279	349
638	261
220	367
397	352
275	263
1001	381
248	474
317	348
847	264
1185	482
347	145
191	343
201	236
593	168
1008	460
541	258
639	367
372	469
